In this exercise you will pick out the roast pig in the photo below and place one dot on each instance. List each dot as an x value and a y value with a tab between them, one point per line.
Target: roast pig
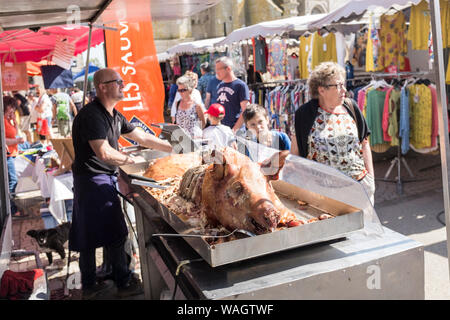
233	191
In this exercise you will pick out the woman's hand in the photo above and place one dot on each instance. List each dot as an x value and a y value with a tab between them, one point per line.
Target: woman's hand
20	140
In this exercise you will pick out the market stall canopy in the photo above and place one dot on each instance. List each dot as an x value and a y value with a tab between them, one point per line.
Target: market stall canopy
164	56
269	28
20	14
199	46
28	45
354	10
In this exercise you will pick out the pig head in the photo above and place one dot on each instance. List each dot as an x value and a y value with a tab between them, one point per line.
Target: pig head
236	194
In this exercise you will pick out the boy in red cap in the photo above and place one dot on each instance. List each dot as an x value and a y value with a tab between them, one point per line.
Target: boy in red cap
217	134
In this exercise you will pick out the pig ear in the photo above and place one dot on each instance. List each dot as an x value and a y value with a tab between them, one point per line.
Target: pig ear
272	166
218	171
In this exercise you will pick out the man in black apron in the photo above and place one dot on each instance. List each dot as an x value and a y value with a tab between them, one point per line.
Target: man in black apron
98	220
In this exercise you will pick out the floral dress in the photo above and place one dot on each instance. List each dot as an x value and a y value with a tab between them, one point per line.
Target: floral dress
334	141
189	121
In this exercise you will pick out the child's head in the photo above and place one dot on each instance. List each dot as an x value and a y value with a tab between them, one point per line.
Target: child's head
256	119
216	113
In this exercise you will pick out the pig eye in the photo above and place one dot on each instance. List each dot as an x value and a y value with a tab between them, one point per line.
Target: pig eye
237	187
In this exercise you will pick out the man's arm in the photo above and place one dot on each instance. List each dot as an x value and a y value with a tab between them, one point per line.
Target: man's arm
240	121
148	140
53	111
207	100
108	154
73	107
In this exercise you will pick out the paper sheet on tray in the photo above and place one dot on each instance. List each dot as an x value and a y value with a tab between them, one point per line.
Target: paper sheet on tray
321	179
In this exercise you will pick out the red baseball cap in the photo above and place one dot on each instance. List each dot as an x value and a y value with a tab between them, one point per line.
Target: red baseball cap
216	110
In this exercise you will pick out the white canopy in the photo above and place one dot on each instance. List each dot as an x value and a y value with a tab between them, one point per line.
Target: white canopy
199	46
164	56
268	28
355	10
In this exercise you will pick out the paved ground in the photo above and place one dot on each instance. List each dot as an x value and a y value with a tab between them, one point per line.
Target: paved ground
414	213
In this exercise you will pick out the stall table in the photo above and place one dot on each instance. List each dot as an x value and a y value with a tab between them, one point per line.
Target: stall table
56	188
359	266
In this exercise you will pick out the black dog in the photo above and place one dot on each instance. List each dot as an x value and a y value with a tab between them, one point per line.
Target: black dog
53	239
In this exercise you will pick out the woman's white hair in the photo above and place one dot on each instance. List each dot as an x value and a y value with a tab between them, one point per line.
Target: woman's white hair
186	81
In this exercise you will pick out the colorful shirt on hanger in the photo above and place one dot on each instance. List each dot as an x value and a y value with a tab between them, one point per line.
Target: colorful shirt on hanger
390	116
305	49
420	102
403	132
323	49
445	22
393	41
277	57
373	49
374	115
419	26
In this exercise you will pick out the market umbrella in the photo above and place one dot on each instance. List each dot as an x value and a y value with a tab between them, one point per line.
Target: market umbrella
92	70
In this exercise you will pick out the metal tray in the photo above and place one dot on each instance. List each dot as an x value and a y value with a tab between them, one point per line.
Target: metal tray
347	220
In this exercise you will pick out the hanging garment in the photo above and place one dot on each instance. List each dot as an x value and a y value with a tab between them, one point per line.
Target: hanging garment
404	120
447	77
445	22
374	115
434	117
350	45
359	52
341	48
419	26
373	48
260	54
304	51
323	49
292	63
390	116
393	41
277	57
420	107
236	56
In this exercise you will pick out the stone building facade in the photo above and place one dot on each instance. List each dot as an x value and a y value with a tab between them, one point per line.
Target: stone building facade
229	15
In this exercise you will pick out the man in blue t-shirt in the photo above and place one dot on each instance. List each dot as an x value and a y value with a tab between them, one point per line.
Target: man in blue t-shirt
211	91
232	93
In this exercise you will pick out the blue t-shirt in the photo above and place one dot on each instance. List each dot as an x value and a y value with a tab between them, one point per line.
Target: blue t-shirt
230	95
172	92
211	88
203	84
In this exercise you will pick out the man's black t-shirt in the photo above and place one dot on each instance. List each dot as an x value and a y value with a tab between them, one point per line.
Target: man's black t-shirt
93	122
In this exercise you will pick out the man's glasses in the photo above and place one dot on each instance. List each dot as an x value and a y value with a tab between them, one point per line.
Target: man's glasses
182	90
118	81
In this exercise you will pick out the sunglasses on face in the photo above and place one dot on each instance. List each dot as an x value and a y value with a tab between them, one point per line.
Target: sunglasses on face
118	81
182	90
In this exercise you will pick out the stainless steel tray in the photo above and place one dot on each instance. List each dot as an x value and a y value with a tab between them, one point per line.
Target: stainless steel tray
347	220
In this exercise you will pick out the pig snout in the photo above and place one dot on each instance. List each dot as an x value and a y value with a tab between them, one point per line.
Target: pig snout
265	218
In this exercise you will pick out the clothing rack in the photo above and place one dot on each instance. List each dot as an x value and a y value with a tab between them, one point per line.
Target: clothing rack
379	75
276	82
399	158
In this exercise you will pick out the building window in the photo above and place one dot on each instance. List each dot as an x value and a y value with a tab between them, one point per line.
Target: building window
317	10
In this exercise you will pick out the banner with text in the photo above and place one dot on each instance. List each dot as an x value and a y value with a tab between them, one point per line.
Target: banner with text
131	52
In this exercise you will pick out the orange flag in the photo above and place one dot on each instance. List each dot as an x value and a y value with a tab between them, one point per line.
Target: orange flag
131	52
